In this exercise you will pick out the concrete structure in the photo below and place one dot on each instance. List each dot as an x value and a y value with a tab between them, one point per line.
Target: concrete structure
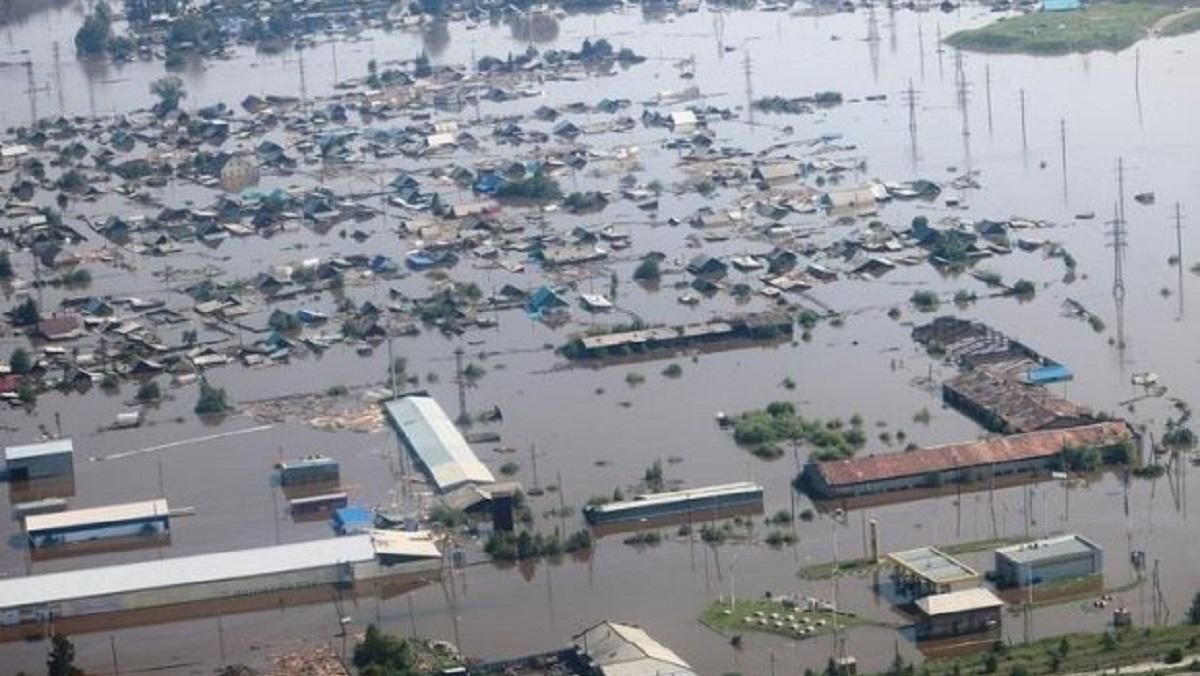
148	518
698	501
958	463
40	461
760	327
1066	557
616	649
927	571
205	577
429	435
956	613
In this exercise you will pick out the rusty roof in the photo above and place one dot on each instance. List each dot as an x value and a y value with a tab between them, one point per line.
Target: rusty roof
972	453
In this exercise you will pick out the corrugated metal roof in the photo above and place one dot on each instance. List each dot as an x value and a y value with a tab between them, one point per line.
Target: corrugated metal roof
625	650
92	582
437	442
418	544
53	447
958	602
692	494
933	565
972	453
131	511
1048	548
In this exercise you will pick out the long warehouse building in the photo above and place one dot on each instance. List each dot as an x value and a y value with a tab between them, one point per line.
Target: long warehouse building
958	462
430	436
149	518
206	577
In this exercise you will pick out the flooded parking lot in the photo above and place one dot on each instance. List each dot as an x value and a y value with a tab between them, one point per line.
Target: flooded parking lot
597	429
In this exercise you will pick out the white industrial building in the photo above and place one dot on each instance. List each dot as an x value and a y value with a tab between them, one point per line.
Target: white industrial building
40	461
431	437
617	649
206	577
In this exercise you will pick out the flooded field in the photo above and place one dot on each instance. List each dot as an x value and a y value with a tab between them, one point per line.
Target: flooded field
598	429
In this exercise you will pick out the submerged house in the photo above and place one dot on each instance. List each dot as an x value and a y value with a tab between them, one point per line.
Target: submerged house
544	301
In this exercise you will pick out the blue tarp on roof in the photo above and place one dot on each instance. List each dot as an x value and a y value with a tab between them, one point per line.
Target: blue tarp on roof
1052	373
353	519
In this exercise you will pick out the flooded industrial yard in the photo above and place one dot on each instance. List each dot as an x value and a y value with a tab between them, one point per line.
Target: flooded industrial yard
594	428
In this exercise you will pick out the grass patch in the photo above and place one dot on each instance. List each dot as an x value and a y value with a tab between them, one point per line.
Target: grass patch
1187	22
745	616
1106	27
1084	652
763	430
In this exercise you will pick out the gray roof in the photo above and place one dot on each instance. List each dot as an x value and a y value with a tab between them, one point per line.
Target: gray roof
436	442
1049	548
95	516
108	580
962	601
54	447
626	650
933	565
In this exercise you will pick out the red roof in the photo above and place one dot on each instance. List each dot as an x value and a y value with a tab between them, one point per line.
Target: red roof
972	453
9	383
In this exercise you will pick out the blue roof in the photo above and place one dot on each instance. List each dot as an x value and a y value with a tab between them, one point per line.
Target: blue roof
353	518
1060	5
1052	373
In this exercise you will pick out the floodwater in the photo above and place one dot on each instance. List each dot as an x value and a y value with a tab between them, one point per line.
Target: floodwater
869	365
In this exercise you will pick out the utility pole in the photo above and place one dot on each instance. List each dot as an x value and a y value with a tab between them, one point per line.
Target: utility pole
1118	245
461	381
1062	142
748	70
33	110
58	79
910	99
1024	136
303	81
1179	254
987	84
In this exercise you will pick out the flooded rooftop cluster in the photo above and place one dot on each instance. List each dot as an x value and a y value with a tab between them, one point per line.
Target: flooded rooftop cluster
596	338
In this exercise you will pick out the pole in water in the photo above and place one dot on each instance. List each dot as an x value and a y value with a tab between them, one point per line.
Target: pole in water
987	85
1024	136
1062	140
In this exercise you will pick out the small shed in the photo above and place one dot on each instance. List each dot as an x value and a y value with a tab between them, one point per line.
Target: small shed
352	519
966	611
682	119
40	461
927	571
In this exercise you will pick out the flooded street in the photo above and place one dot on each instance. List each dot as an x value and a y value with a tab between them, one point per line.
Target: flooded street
594	429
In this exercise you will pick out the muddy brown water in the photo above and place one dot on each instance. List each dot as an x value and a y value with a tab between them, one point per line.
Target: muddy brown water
599	441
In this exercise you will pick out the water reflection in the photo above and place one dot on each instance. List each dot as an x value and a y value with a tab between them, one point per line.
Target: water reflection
534	28
435	38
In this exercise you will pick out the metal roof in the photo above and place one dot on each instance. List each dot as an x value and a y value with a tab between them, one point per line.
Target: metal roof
625	650
416	544
969	454
108	580
961	601
54	447
132	511
933	565
691	494
434	439
1048	549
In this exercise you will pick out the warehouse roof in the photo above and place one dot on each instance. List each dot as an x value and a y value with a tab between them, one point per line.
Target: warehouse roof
687	494
958	602
625	650
1049	548
54	447
132	511
92	582
933	565
961	455
438	444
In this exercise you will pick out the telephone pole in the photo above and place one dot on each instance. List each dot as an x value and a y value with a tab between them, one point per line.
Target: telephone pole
1024	136
461	381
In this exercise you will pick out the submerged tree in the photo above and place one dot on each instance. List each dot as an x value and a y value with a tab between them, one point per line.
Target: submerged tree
170	92
61	661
